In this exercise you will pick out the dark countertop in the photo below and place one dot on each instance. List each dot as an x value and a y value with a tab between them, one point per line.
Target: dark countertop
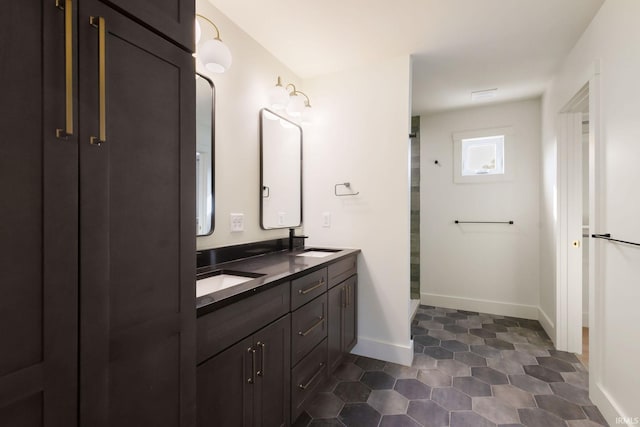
276	267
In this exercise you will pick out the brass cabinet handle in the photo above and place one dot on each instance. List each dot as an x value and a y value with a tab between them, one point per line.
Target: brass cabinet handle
315	325
67	7
99	23
314	287
262	346
312	379
252	378
343	293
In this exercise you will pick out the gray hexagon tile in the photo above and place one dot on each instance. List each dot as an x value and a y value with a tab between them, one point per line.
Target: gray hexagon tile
469	370
398	421
451	399
352	391
489	375
428	413
434	378
388	402
542	373
369	364
560	407
472	386
377	380
400	371
454	368
324	405
413	389
469	419
535	417
530	384
470	359
513	396
348	372
359	414
495	410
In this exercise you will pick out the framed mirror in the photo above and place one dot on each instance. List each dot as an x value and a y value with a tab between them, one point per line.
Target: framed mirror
281	171
205	200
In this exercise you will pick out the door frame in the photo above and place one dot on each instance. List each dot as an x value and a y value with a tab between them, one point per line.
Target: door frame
568	288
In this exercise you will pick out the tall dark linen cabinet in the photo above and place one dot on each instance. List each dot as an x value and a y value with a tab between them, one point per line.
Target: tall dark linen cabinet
97	213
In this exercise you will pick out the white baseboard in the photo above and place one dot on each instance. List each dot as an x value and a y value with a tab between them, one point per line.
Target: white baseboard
547	324
608	407
401	354
413	308
482	306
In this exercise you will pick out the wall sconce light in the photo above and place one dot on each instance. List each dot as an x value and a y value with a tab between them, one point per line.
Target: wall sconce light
214	54
296	103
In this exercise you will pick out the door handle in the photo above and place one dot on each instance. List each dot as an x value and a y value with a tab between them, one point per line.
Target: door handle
99	23
67	7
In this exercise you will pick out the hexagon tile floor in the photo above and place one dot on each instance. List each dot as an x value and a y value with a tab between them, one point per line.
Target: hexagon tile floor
469	370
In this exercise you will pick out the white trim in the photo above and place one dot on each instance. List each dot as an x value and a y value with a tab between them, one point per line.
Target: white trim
481	306
413	308
547	324
390	352
585	319
604	401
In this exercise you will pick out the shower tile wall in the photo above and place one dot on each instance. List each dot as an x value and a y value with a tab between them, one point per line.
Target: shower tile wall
415	208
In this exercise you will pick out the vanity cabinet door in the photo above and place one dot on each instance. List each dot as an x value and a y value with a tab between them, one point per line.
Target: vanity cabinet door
173	18
38	221
337	300
350	316
272	393
137	216
226	387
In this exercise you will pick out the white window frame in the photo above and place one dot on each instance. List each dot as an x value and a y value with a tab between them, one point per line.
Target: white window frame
508	153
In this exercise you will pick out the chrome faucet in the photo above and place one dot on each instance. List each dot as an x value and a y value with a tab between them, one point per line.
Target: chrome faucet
292	236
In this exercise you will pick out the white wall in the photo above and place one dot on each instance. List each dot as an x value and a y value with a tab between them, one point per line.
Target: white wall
240	94
613	37
483	267
361	135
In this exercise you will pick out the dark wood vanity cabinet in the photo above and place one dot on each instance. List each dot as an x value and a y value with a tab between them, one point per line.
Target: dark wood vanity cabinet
97	261
172	18
248	383
342	320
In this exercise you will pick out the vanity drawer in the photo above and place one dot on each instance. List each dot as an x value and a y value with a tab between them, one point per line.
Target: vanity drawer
306	288
308	327
342	270
306	377
222	328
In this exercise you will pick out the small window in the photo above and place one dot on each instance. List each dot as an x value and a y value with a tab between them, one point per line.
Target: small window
481	156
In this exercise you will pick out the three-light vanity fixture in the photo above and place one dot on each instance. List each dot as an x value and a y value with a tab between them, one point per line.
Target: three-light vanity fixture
213	53
289	98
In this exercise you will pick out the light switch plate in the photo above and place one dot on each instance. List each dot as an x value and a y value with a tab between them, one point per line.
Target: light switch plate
237	222
326	219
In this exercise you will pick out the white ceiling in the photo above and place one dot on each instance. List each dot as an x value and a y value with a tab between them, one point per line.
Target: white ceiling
458	45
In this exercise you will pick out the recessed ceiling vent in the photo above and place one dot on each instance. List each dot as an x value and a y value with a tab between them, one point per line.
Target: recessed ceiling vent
484	95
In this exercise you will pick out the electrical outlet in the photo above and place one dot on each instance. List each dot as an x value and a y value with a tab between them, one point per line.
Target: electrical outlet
326	219
237	222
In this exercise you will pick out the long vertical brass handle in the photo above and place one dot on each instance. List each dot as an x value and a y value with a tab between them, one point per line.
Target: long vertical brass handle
262	346
99	23
67	7
252	378
348	295
343	296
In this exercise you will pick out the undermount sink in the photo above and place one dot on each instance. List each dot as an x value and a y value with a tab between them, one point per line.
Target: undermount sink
222	279
318	253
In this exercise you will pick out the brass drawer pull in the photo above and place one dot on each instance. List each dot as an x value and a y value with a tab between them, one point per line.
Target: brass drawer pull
99	23
252	378
67	7
308	331
262	346
312	379
316	286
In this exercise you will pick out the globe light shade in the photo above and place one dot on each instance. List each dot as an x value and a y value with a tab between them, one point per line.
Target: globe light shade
215	56
307	115
296	105
278	97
